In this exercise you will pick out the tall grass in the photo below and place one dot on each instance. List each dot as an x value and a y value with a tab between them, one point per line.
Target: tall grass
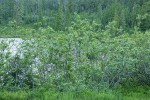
82	95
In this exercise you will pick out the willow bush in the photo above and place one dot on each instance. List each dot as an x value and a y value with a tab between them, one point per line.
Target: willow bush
82	56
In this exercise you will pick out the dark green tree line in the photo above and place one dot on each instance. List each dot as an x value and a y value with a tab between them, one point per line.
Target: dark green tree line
59	13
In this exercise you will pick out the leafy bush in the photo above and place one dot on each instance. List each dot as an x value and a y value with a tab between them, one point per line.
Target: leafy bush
82	57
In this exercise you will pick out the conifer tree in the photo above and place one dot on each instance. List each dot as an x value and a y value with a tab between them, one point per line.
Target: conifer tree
18	10
59	17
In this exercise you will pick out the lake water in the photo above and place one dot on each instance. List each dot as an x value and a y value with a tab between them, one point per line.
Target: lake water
14	44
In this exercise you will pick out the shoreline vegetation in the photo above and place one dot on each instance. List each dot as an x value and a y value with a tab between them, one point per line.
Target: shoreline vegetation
75	50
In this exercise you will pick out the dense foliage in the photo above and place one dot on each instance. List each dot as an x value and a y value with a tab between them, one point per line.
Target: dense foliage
59	13
80	50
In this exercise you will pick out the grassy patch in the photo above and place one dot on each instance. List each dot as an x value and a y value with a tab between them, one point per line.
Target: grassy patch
84	95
